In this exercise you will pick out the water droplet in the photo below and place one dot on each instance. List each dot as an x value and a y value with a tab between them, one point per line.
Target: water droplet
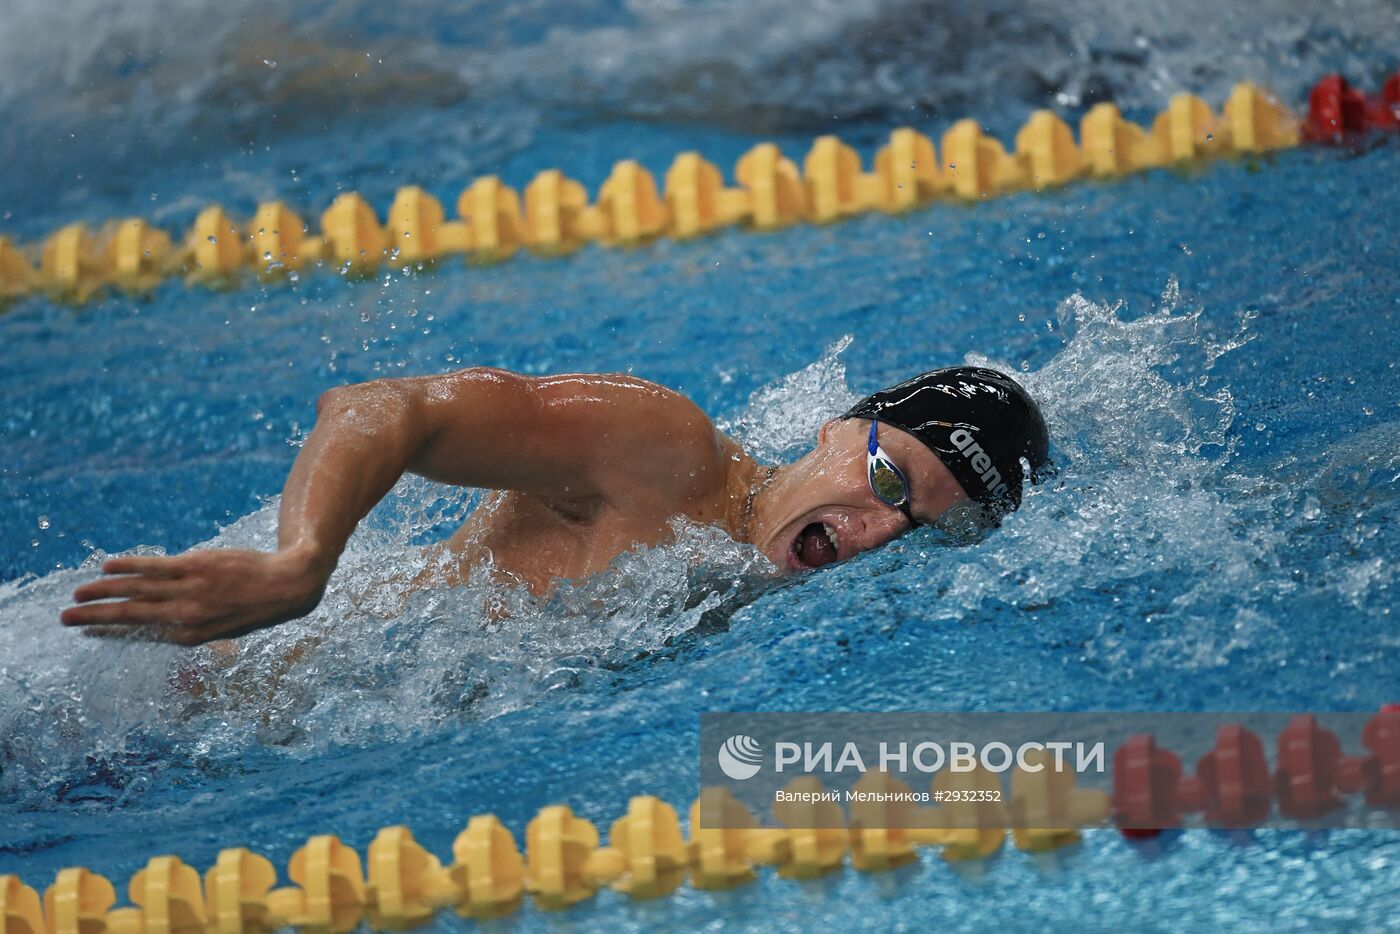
43	522
269	63
1312	509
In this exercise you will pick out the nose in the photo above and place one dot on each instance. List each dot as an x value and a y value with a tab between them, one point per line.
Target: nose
885	524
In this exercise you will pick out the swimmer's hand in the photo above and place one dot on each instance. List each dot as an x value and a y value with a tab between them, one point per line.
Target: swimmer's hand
198	596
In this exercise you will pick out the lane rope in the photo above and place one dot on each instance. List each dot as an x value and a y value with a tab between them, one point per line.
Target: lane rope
400	884
553	216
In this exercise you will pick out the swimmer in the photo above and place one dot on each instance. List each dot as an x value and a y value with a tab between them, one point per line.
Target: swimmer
589	466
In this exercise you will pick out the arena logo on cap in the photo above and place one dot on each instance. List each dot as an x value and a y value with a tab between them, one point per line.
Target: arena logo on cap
969	448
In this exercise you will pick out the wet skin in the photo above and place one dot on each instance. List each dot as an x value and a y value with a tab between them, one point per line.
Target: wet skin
589	466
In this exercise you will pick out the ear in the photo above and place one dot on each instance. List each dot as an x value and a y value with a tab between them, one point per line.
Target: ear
825	429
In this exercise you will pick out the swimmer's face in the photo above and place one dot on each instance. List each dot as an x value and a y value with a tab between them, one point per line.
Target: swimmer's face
824	510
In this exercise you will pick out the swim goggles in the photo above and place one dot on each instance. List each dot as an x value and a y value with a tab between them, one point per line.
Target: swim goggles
887	481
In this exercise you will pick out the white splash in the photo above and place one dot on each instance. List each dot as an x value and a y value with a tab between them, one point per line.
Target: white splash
781	419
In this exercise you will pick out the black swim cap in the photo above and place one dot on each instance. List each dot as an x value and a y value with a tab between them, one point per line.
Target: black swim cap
979	422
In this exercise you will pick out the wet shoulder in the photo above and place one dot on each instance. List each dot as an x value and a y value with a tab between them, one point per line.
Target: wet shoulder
649	441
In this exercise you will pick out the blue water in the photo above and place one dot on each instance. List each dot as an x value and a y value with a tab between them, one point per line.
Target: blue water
1215	348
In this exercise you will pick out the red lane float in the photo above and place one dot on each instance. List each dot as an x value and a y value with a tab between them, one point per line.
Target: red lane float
1235	778
1145	780
1336	109
1233	785
1377	774
1307	769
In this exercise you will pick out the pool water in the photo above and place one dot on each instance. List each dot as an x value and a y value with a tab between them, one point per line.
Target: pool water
1214	347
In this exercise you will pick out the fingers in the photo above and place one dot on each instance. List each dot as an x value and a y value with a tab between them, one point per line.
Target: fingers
111	632
126	612
130	588
159	568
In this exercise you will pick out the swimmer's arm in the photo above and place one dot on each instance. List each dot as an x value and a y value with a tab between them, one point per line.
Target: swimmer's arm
363	440
575	441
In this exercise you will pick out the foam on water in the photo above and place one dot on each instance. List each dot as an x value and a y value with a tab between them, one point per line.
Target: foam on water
379	657
1144	496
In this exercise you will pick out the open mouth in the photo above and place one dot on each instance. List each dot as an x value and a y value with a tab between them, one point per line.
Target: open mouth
815	546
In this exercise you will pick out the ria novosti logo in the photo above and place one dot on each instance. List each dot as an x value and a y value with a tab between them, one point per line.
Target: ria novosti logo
740	757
